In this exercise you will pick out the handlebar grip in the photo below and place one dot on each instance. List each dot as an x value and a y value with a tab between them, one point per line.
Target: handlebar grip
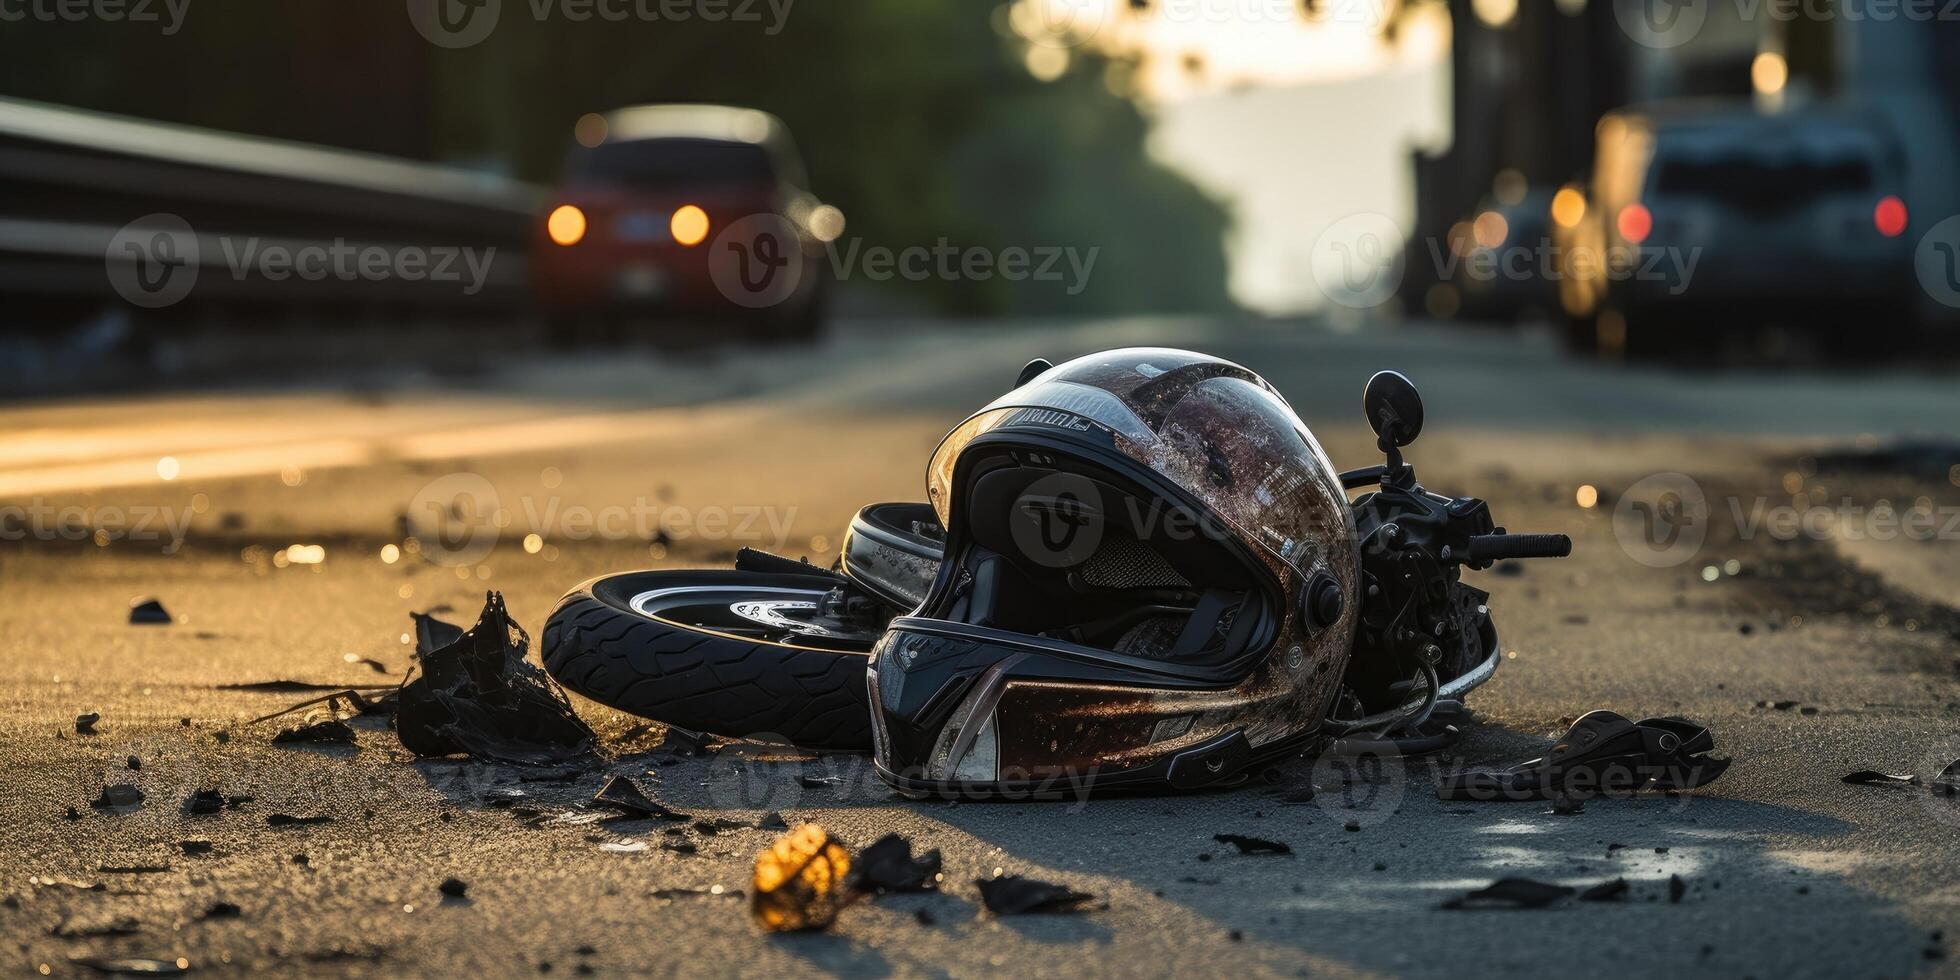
1493	547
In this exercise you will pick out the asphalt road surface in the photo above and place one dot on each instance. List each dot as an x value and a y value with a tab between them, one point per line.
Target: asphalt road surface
1809	654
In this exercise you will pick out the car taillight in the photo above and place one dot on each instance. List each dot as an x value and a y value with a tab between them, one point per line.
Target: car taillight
1635	223
1889	217
689	225
565	225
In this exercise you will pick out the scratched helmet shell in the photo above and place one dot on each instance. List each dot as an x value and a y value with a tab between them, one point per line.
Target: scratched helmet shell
1149	581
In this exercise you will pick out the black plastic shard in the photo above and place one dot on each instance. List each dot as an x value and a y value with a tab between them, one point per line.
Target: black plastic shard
1252	845
1603	754
119	795
85	723
1872	777
476	695
1606	891
332	731
148	612
1514	893
1015	895
625	795
888	866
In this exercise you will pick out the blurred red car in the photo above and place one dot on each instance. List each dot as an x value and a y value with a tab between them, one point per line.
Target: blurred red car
685	210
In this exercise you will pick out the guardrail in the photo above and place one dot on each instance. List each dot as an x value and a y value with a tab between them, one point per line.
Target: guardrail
92	203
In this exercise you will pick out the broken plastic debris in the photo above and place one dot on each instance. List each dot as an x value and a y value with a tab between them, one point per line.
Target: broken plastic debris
1015	895
85	723
148	612
1252	845
222	910
288	820
623	846
888	866
1603	753
1872	777
332	731
1521	893
477	695
195	848
453	888
687	742
625	795
205	801
811	781
119	795
771	821
133	965
800	881
1605	891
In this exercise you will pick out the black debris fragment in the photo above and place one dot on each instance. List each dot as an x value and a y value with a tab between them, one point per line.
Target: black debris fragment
477	695
134	764
332	731
684	742
432	634
813	781
1015	895
453	888
207	801
1947	783
195	848
118	795
1872	777
222	910
133	966
1676	888
624	795
148	612
372	664
132	869
717	825
73	814
771	821
288	820
503	797
1603	753
1519	893
1606	891
85	723
1253	845
679	846
1352	826
887	865
284	686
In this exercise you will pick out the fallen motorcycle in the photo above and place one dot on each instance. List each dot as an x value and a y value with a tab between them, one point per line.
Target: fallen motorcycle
778	648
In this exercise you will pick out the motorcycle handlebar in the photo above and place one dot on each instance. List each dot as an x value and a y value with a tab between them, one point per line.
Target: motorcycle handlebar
1493	547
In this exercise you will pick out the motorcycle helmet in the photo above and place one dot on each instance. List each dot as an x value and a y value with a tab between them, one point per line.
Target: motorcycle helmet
1150	581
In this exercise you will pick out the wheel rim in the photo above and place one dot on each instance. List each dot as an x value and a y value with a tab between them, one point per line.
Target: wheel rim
757	613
